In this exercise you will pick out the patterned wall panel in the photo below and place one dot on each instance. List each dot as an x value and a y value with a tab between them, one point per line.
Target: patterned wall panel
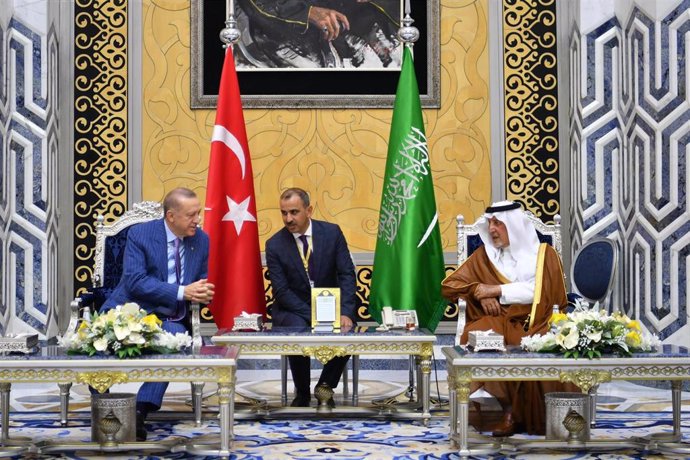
4	183
338	155
4	188
531	105
600	192
100	124
29	190
629	159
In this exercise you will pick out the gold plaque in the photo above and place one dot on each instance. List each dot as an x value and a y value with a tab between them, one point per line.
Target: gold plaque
325	309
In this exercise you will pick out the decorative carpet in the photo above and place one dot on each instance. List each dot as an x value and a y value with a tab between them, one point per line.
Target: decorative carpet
336	439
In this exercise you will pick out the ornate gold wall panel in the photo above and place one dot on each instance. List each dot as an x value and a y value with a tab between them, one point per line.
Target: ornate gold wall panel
100	124
531	105
338	155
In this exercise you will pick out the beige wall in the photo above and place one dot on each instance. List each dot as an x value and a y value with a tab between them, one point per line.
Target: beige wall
337	155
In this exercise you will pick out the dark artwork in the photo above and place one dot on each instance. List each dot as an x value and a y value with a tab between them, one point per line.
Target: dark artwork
284	48
318	35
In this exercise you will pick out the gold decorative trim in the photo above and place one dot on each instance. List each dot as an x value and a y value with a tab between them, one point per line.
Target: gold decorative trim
102	380
405	348
461	379
324	353
225	391
531	373
585	379
36	375
100	124
548	372
163	374
226	374
427	350
531	105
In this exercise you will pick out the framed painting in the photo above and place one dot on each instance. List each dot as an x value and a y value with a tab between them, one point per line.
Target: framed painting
288	57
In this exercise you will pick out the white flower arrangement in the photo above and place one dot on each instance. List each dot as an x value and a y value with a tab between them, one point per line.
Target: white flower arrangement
589	332
126	331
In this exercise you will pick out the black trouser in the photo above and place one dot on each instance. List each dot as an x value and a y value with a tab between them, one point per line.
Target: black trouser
300	366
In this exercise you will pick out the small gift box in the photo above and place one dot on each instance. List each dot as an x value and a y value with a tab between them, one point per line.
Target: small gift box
251	322
486	341
21	343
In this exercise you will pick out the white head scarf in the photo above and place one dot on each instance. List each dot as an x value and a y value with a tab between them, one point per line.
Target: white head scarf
524	243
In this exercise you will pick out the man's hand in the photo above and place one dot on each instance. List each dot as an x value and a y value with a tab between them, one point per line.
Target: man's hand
199	291
328	21
491	306
345	323
486	291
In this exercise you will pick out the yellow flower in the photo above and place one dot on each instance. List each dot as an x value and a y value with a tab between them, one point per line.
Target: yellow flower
633	339
557	317
619	316
634	324
151	321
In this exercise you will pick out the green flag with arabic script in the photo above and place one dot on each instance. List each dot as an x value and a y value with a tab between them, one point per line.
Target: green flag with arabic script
408	263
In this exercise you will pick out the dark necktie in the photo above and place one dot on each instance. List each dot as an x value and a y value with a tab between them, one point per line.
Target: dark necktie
178	263
180	313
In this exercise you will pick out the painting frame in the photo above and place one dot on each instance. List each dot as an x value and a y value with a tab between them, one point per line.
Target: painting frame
206	72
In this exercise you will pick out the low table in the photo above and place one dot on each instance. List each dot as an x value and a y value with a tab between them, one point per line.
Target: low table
51	364
671	363
325	346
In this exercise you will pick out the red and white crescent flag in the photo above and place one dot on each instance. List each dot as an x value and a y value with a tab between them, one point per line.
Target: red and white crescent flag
234	263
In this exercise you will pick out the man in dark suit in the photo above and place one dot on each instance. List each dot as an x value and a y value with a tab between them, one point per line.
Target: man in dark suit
164	267
308	253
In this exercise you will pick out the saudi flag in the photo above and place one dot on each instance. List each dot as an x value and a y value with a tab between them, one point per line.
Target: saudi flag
408	264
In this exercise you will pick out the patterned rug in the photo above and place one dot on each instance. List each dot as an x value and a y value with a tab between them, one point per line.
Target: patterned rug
337	439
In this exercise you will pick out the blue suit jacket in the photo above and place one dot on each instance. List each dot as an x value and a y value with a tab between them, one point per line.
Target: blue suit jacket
331	267
145	271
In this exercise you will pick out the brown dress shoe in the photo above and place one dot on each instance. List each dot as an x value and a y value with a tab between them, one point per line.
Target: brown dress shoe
506	427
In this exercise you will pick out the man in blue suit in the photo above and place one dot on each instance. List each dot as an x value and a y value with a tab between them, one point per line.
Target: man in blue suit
308	253
164	267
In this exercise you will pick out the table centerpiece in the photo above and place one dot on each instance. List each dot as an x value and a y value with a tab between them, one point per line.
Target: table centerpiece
125	331
589	331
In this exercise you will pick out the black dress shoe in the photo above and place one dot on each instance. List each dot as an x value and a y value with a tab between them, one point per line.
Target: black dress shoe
330	403
141	429
301	401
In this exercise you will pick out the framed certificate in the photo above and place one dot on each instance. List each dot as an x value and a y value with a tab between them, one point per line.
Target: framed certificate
325	309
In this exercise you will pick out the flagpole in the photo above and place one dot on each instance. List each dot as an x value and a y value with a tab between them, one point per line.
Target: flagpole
408	33
230	34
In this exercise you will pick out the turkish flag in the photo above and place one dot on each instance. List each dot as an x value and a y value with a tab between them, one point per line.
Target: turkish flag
234	263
